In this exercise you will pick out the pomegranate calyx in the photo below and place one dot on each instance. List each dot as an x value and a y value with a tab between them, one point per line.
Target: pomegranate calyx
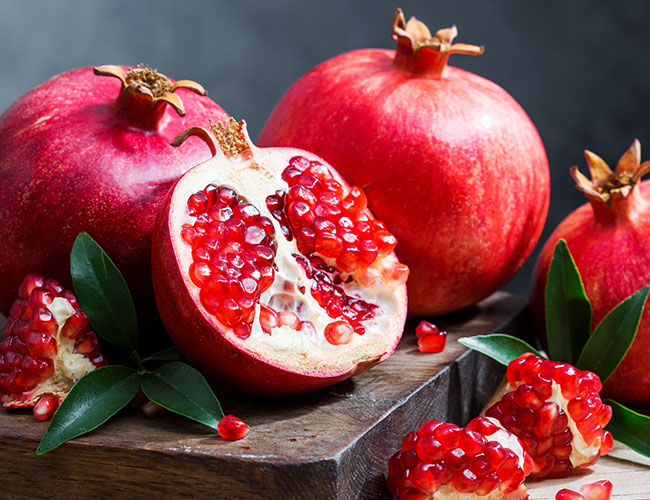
228	138
414	35
145	91
607	187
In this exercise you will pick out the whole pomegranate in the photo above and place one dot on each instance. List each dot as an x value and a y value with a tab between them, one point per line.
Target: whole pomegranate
48	345
269	271
83	152
609	239
449	161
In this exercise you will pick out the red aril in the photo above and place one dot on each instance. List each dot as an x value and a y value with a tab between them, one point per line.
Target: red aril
447	159
600	490
246	288
609	239
430	337
48	345
90	152
556	412
232	428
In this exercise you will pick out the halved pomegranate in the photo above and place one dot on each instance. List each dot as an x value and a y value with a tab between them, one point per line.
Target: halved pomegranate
269	271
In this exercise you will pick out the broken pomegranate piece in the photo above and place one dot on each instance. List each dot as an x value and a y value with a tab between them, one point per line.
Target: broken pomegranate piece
48	346
556	411
443	461
270	272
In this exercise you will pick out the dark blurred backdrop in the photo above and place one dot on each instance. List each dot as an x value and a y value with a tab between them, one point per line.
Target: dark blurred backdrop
580	68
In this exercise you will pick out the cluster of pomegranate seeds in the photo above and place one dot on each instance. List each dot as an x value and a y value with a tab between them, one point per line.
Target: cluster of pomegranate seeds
541	425
330	296
325	220
466	460
430	337
600	490
231	428
233	250
31	343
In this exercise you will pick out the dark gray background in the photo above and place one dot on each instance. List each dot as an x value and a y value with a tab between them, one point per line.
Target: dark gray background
581	69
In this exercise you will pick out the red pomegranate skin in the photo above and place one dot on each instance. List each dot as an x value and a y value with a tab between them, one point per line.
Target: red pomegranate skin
612	253
72	160
448	160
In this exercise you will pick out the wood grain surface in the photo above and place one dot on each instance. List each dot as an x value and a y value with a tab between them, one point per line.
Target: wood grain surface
331	444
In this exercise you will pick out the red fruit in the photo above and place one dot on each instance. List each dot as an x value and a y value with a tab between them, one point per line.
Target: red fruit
430	338
447	159
443	461
231	428
92	154
609	239
600	490
46	348
270	308
556	412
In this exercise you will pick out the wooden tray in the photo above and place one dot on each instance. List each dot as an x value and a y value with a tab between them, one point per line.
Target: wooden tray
331	444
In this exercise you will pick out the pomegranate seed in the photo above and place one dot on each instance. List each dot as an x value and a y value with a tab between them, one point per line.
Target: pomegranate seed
425	477
448	435
88	345
338	333
566	494
432	343
231	428
429	449
75	325
30	282
45	407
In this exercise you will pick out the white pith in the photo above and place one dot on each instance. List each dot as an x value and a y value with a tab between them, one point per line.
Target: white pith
283	346
508	441
581	453
69	366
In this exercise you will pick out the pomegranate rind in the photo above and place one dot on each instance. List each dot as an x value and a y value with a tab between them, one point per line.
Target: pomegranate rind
211	346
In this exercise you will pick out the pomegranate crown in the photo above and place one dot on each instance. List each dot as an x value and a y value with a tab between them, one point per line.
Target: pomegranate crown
606	185
414	36
231	138
150	85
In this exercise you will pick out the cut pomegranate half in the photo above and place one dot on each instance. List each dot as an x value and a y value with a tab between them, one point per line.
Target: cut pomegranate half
270	273
48	346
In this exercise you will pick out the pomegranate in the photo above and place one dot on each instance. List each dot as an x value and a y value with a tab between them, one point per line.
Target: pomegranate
556	412
231	428
600	490
89	153
448	160
269	271
442	461
48	345
609	239
430	337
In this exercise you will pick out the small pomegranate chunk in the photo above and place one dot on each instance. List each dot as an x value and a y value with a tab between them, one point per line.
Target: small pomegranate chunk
528	407
445	460
48	346
600	490
231	428
430	337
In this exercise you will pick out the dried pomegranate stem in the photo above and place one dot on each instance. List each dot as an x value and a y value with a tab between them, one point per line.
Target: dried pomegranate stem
421	53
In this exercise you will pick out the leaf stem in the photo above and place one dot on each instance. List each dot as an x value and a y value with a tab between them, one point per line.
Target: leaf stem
136	356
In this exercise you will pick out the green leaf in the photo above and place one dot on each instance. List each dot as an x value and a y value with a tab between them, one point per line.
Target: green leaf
629	427
102	293
613	336
169	354
499	346
94	399
181	389
568	311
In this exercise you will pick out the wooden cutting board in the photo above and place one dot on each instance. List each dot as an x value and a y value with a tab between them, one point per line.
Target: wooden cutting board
331	444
